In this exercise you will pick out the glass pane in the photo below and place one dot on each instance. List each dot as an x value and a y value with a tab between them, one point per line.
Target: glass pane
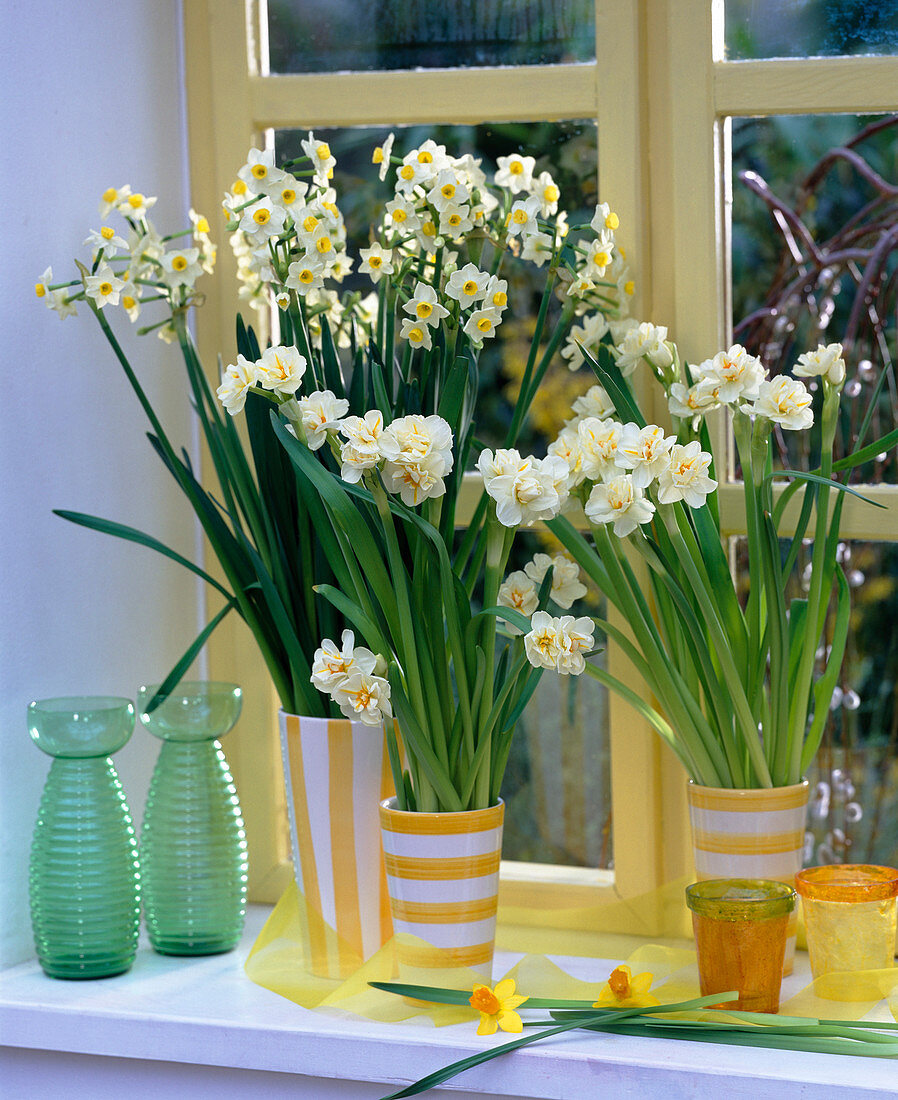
557	785
568	151
815	260
853	814
810	28
308	36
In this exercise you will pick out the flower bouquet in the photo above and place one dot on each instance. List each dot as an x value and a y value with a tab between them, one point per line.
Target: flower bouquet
742	693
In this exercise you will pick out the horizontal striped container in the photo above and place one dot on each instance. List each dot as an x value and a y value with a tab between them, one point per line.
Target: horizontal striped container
337	772
750	834
443	878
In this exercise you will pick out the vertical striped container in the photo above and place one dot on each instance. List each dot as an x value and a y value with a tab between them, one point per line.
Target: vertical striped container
750	834
337	772
443	878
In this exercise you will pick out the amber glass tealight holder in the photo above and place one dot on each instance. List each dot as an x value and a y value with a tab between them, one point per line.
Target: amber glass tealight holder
850	916
740	939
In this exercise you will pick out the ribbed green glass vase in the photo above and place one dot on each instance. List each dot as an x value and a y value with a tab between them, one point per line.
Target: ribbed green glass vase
84	872
193	842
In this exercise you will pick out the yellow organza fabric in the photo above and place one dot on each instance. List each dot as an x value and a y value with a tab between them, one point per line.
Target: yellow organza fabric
277	962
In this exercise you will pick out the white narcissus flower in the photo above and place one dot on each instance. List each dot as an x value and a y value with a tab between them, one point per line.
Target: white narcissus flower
515	172
598	442
377	261
481	325
495	295
541	642
537	248
415	439
566	584
332	666
321	412
644	451
259	173
686	478
414	481
365	698
107	239
135	206
319	153
403	216
447	190
599	256
604	219
104	286
736	374
112	196
235	382
424	306
130	301
575	638
595	402
181	267
381	156
522	220
455	221
505	461
306	273
567	447
467	285
620	502
281	369
786	402
546	190
417	333
587	336
263	220
361	451
536	491
826	362
692	402
518	591
644	341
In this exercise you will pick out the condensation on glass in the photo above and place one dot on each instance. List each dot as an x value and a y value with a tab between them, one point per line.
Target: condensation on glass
853	809
362	35
810	28
558	780
815	260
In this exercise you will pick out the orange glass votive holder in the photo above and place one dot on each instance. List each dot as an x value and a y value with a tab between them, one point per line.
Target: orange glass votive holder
850	912
740	930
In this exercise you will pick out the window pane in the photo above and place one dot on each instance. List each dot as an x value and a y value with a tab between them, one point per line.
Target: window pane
334	35
854	805
815	260
810	28
853	814
568	151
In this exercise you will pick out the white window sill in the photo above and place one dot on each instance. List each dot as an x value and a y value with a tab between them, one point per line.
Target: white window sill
199	1027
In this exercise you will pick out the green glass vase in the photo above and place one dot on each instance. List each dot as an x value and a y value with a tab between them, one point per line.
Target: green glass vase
193	842
84	877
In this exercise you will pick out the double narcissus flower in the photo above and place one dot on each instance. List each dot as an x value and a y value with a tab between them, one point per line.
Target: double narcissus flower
497	1007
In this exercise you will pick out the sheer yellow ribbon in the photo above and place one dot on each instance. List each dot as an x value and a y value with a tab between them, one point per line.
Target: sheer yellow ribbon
277	962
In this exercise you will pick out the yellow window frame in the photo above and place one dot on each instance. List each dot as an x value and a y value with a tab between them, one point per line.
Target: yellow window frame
660	93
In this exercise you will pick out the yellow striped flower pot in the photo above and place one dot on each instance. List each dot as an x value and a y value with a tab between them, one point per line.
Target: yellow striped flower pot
337	772
750	834
443	879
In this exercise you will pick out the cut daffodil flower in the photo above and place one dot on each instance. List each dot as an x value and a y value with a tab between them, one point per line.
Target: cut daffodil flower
497	1007
623	990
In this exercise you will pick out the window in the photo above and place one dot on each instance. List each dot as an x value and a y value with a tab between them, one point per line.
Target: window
660	93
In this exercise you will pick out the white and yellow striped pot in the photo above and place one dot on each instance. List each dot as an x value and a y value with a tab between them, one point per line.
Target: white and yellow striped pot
337	772
443	879
756	833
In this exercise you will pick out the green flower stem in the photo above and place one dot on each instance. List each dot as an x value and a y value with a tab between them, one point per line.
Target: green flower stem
754	615
495	564
520	409
745	721
798	710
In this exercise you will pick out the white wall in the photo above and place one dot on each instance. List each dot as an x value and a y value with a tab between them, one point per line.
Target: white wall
93	97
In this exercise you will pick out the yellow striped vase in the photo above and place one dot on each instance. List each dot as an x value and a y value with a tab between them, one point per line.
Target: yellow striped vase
757	833
337	772
443	878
